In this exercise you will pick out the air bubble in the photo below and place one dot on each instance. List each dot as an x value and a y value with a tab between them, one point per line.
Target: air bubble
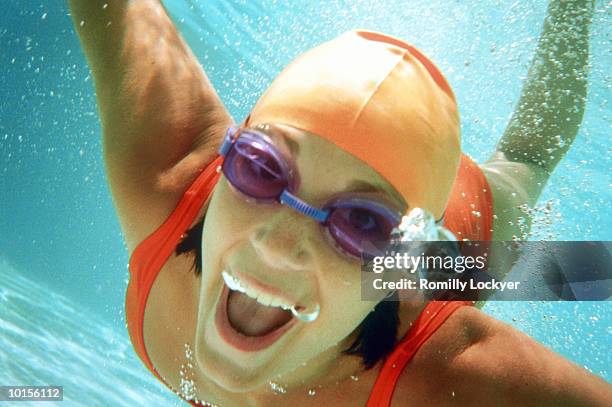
187	386
277	388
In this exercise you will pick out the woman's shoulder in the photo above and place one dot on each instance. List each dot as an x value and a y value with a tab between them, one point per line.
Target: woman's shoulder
474	358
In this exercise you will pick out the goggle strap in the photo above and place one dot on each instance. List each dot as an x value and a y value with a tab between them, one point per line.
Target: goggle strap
320	215
228	141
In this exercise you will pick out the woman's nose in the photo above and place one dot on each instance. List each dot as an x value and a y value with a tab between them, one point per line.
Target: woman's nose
282	240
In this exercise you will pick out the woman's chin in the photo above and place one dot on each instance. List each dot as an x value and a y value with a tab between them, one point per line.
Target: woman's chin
232	369
227	371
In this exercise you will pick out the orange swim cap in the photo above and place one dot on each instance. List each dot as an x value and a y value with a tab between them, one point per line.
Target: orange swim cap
381	100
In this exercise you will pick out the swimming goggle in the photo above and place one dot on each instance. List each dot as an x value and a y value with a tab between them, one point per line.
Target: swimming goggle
359	226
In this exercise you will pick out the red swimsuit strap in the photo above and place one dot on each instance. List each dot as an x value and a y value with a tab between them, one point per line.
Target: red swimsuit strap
431	318
149	257
469	213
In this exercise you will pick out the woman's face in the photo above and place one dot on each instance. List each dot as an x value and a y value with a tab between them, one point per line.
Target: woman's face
283	257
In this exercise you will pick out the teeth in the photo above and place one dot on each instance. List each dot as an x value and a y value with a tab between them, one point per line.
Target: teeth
235	284
232	282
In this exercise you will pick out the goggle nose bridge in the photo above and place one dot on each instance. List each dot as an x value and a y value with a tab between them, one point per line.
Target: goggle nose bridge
320	215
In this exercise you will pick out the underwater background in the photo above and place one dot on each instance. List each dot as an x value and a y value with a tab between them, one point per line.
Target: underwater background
63	263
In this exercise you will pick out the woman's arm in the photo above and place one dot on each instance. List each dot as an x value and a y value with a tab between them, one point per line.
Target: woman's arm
160	116
547	117
551	106
507	367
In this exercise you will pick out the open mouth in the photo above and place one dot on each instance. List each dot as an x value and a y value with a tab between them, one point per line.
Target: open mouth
249	319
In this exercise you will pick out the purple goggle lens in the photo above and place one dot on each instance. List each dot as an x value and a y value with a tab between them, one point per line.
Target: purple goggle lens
256	169
252	165
361	226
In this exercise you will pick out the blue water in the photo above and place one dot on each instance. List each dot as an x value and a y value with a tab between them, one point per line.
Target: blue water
61	249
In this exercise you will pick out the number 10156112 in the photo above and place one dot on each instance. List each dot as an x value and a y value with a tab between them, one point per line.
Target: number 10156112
31	393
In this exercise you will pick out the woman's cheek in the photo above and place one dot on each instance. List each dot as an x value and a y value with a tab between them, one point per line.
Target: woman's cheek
341	295
225	217
235	211
222	227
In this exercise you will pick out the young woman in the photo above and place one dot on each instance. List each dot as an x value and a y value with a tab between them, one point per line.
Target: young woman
351	135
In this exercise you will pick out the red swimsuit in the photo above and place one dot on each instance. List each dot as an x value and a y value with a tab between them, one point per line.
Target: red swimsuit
469	214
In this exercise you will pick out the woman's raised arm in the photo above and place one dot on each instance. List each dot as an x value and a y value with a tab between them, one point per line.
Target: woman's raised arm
160	116
550	109
546	119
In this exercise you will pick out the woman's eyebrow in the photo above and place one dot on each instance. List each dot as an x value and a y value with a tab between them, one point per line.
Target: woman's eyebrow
358	185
